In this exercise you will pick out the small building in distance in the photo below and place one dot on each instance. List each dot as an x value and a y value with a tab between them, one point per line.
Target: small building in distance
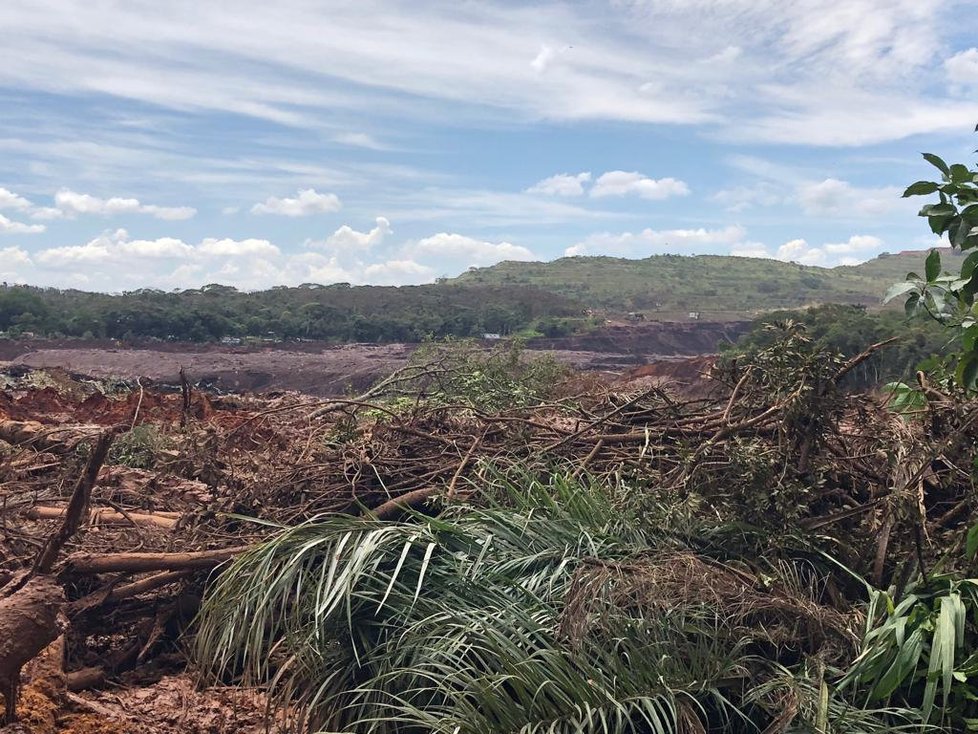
491	336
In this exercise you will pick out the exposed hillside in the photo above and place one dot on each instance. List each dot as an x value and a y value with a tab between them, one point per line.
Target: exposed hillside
716	285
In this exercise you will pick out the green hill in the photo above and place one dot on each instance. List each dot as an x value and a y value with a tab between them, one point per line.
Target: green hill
717	286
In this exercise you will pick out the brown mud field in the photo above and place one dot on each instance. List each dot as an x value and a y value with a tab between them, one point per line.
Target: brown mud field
330	370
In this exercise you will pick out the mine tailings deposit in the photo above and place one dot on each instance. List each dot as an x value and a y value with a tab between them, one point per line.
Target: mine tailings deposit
328	369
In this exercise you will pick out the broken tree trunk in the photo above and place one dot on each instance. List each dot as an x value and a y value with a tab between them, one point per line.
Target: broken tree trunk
30	620
45	438
77	506
142	562
105	516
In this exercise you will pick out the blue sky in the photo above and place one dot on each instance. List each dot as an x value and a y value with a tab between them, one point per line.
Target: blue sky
174	144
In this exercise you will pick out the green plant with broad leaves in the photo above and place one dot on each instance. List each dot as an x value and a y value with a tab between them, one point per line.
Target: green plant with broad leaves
920	651
949	297
550	609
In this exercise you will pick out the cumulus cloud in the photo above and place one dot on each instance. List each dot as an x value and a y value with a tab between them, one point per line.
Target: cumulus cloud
749	249
799	251
346	237
398	272
71	203
563	184
163	247
70	256
962	70
856	243
305	203
9	226
236	248
14	263
652	240
10	200
473	251
858	248
623	183
11	256
114	261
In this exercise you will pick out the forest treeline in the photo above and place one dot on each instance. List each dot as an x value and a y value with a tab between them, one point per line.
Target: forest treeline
340	313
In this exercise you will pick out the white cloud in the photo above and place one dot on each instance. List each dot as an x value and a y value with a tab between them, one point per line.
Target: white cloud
164	247
562	184
749	249
68	257
235	248
10	200
836	198
856	243
11	256
858	248
464	208
71	203
468	249
962	70
543	59
15	265
803	71
9	226
651	240
799	251
46	213
739	198
398	272
622	183
347	238
359	140
305	203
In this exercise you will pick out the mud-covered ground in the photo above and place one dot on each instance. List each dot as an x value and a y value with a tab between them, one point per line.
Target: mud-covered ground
329	370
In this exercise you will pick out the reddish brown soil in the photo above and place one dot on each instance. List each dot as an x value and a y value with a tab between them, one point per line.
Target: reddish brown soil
321	369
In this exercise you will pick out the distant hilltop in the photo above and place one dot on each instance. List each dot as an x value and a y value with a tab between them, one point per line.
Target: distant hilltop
529	299
714	286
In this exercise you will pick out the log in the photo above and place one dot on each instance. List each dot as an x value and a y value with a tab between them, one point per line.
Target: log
45	438
85	678
84	563
30	620
394	508
112	594
106	516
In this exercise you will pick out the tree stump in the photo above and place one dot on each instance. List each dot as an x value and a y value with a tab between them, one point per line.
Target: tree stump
30	620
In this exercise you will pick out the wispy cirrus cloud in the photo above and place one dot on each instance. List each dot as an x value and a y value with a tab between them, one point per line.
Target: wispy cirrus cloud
546	61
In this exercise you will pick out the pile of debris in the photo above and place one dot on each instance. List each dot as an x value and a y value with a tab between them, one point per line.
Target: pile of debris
119	501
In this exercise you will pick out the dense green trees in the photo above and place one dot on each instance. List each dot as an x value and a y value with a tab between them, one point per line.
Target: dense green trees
335	313
848	330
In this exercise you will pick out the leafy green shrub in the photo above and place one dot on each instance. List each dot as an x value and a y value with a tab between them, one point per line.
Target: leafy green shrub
138	447
506	376
921	647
